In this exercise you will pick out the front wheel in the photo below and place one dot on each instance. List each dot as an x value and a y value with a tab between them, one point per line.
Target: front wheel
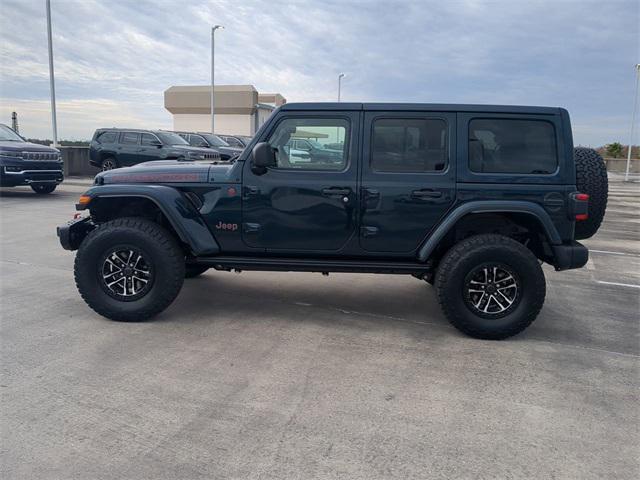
490	286
43	188
129	269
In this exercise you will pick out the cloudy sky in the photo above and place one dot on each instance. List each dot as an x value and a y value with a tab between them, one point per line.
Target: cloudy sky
114	59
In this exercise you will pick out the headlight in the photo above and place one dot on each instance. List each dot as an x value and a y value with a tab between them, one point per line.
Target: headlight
196	155
11	154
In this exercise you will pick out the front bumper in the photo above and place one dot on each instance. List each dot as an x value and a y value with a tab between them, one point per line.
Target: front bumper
73	233
27	174
568	256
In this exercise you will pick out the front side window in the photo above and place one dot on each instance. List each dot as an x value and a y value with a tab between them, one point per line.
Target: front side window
197	141
129	137
500	145
314	134
148	139
410	145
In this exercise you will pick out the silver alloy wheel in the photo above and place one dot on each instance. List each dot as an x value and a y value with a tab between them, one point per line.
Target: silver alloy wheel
491	290
126	275
108	164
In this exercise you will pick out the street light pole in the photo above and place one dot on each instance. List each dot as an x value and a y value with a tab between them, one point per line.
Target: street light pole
633	122
213	58
52	86
340	77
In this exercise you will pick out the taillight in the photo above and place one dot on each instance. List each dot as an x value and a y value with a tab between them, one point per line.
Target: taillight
581	206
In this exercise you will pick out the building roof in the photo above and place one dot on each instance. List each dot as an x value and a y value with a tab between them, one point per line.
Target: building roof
230	99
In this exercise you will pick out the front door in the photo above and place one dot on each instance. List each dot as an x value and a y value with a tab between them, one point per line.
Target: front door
128	148
305	202
408	181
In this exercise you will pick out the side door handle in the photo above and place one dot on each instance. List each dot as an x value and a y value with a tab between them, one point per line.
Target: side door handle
250	191
336	191
426	193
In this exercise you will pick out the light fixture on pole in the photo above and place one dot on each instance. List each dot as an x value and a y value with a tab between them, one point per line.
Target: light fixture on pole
633	122
213	57
340	77
51	79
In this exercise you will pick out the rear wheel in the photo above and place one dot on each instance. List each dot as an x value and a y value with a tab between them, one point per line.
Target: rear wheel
43	188
490	286
129	269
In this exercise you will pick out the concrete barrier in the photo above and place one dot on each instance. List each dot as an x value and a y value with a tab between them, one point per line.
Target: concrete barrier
619	165
76	162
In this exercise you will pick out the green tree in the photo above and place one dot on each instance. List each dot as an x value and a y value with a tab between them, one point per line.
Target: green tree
614	149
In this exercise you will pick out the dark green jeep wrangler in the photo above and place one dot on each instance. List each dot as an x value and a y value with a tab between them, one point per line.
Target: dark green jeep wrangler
470	198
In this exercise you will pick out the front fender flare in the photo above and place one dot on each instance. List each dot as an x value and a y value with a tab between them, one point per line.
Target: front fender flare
179	211
488	206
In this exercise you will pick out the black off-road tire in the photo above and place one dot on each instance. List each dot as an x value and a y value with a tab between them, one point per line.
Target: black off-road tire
475	252
591	178
108	163
193	270
160	250
43	188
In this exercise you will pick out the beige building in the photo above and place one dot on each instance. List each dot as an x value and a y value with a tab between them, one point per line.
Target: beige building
239	109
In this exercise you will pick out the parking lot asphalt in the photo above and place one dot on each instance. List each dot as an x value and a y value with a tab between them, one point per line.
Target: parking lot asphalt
296	375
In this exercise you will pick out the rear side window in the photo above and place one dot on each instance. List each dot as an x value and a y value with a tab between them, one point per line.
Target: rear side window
409	145
129	137
500	145
107	137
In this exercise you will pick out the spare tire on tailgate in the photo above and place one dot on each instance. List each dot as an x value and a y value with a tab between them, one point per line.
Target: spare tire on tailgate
591	178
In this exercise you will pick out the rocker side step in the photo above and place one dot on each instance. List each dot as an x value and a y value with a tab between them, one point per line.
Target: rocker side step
306	265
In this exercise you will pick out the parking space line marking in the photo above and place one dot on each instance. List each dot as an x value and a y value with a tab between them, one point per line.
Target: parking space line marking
615	253
590	265
618	284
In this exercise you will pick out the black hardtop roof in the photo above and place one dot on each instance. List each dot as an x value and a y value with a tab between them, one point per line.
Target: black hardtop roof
420	107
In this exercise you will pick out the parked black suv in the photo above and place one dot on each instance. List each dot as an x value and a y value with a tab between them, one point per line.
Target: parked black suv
470	198
115	147
214	142
25	163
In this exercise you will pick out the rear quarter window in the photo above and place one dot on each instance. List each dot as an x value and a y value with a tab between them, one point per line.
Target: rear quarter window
500	145
107	137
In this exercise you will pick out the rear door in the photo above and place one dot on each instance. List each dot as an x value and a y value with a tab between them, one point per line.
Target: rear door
407	181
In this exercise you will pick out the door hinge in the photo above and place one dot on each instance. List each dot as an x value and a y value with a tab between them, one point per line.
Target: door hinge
366	231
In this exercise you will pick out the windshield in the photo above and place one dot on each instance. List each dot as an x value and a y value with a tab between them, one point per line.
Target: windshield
214	140
169	138
8	135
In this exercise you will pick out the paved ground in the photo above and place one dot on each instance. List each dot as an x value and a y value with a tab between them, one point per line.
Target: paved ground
278	376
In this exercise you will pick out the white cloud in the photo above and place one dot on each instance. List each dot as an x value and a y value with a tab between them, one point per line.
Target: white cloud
575	54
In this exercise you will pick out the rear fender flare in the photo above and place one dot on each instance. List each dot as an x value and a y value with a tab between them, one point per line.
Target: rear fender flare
488	206
179	211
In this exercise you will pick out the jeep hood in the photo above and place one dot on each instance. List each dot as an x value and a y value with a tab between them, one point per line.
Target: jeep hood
171	171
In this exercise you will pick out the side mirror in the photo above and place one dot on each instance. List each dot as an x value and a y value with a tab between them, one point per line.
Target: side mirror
263	156
155	143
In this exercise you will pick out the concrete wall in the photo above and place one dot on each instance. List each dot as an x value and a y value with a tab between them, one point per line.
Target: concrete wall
76	159
76	162
620	165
